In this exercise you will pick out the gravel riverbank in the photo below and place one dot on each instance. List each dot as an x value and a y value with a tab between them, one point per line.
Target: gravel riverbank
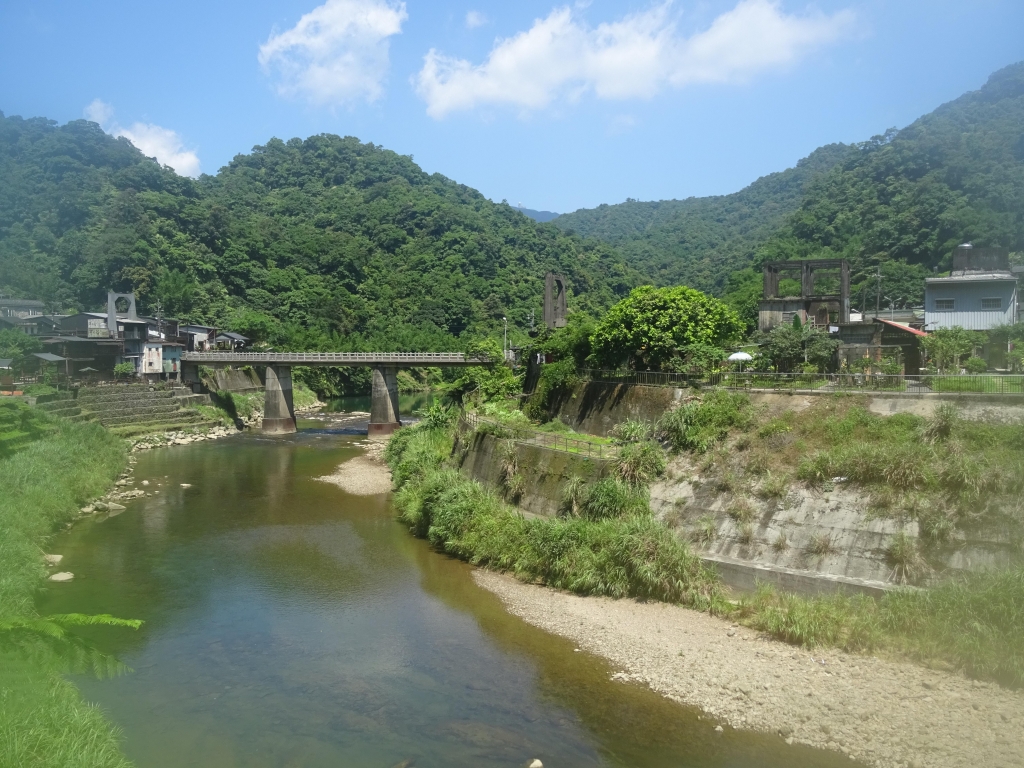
880	712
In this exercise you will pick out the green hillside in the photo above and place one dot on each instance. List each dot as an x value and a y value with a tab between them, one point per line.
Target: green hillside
701	240
905	199
323	243
901	201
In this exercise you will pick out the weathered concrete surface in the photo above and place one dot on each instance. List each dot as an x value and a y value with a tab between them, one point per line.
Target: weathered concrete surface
544	471
278	406
234	380
384	401
596	407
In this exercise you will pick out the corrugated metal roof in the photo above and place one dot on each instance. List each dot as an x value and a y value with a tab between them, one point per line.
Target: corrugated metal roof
980	277
902	327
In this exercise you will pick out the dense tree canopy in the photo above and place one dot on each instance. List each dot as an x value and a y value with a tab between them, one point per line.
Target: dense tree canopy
701	240
321	243
899	202
652	327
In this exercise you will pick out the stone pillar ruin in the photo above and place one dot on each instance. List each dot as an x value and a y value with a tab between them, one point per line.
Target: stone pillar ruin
278	406
384	401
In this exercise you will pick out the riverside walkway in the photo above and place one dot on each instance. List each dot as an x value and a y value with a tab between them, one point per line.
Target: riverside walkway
278	408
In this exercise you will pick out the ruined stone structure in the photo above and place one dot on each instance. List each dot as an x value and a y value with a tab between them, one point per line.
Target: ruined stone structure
555	307
810	305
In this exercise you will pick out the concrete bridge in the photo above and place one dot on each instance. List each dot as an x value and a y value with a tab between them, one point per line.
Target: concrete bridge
278	407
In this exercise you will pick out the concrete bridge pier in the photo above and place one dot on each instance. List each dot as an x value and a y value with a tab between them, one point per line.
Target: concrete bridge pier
384	401
278	406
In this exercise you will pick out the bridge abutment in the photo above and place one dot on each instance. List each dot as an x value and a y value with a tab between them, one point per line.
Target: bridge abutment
278	406
384	401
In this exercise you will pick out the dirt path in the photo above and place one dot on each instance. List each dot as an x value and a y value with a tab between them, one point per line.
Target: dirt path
880	712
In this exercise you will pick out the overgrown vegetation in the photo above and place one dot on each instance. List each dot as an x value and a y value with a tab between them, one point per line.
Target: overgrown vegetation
20	425
43	720
607	544
975	623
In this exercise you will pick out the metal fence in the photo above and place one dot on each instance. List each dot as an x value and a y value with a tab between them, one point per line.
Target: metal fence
987	384
549	440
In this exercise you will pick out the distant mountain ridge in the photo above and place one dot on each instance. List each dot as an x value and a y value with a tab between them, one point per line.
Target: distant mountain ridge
900	201
538	216
699	240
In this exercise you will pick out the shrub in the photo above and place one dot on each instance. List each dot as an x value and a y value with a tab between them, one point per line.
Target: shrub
612	498
821	544
781	543
699	424
907	563
706	530
124	370
774	486
633	431
640	463
975	365
943	423
574	494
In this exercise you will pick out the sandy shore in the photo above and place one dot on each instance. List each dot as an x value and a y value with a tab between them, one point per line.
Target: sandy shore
880	712
364	475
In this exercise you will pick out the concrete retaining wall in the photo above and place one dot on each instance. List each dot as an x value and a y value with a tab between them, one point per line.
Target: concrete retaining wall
233	380
595	407
544	471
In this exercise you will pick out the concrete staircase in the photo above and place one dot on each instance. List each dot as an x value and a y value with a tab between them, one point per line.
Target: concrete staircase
129	408
64	405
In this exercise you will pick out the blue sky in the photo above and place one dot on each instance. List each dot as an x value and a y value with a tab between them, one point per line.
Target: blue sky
553	106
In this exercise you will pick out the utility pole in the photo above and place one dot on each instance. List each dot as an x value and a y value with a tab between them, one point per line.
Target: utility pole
504	344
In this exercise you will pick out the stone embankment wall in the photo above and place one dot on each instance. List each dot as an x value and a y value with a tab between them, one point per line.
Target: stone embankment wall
776	544
544	471
127	407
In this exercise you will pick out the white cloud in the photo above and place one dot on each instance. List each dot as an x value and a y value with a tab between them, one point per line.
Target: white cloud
475	19
152	140
561	57
337	53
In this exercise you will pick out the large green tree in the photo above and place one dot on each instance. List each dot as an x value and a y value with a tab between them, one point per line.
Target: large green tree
652	327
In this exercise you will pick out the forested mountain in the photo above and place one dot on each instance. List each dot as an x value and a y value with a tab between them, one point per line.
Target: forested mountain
899	202
904	200
701	240
541	216
323	243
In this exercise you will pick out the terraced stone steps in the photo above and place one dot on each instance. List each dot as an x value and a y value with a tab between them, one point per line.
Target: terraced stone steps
130	407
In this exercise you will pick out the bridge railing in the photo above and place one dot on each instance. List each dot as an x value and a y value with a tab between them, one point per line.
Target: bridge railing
299	358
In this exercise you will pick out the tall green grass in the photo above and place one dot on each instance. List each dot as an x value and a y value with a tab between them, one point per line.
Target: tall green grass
973	623
622	556
43	720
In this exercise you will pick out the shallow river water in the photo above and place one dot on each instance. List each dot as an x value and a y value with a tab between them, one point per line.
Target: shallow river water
291	624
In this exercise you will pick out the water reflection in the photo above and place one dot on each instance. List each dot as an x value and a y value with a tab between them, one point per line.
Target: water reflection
291	624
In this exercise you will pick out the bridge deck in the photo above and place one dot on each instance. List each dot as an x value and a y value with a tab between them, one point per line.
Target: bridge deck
339	359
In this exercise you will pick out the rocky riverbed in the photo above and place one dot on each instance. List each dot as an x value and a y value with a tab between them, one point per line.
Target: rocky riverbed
879	712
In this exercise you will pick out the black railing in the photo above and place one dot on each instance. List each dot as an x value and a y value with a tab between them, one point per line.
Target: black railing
550	440
989	384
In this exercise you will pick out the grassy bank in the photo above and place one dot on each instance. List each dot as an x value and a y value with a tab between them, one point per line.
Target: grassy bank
43	720
974	624
619	556
617	549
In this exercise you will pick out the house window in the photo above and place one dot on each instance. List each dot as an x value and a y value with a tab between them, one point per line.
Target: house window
944	304
995	303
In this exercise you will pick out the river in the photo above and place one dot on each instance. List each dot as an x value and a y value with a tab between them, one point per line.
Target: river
290	624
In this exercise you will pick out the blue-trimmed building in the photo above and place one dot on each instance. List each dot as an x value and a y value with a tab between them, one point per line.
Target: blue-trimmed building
979	294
